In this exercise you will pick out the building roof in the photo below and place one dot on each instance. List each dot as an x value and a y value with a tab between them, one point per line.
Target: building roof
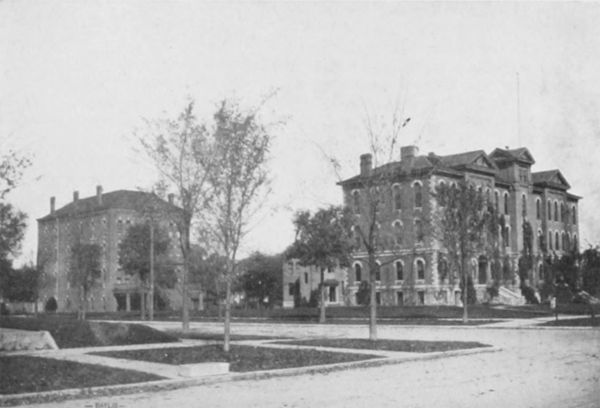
521	154
550	178
119	199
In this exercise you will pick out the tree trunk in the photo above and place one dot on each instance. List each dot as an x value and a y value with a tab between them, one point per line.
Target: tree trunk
465	293
151	292
143	304
83	305
322	302
185	313
227	325
373	297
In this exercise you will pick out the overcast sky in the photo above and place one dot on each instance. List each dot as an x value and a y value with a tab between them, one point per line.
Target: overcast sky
77	78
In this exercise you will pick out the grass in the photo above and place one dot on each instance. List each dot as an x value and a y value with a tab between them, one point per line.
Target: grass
21	374
579	322
241	358
69	332
195	335
352	312
411	346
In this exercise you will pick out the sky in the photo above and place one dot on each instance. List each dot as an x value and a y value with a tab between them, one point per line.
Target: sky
77	79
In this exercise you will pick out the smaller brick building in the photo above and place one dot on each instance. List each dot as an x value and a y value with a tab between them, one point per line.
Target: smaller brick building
103	219
299	281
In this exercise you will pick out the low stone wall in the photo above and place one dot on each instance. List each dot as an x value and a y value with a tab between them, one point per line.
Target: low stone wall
13	340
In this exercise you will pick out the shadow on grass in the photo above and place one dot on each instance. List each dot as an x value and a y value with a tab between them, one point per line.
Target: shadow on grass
411	346
21	374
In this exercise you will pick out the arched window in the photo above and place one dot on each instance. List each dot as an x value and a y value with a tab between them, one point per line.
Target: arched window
397	198
575	243
398	232
540	240
442	268
507	236
549	211
556	241
420	269
555	211
524	205
506	203
565	243
550	240
357	272
399	270
418	195
574	210
378	272
538	214
419	230
356	201
497	200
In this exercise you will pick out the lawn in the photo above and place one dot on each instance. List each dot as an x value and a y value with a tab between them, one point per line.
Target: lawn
21	374
411	346
578	322
196	335
69	332
241	358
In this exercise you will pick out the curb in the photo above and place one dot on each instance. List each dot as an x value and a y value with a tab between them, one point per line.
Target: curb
172	384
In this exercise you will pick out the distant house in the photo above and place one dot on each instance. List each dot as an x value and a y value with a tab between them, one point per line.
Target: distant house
413	266
103	219
299	281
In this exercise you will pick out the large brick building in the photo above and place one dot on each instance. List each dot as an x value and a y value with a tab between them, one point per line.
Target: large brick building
413	261
102	219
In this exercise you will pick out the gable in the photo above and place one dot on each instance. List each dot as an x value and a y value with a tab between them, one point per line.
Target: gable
483	161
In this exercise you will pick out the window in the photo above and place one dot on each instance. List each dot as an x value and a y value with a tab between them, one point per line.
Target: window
398	232
537	209
357	272
305	277
418	230
482	270
418	195
555	211
507	236
562	212
356	201
421	296
399	270
575	243
540	240
377	298
556	241
549	211
497	200
420	269
442	269
524	205
332	294
357	239
523	175
290	288
550	240
574	210
506	203
377	272
565	243
397	198
399	298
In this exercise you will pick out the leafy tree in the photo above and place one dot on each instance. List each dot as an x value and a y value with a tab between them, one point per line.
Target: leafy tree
135	253
239	182
84	271
208	270
262	278
12	229
323	239
465	225
180	150
590	270
12	167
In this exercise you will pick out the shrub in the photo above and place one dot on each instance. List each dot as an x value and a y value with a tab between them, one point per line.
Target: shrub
471	294
529	294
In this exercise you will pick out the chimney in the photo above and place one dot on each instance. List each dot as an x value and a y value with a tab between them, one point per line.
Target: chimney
99	194
366	164
52	204
171	198
408	152
75	196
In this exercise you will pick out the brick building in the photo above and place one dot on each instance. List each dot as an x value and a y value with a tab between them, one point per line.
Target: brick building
413	263
103	219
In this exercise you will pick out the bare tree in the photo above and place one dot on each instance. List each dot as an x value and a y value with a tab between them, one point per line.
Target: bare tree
374	196
239	181
180	150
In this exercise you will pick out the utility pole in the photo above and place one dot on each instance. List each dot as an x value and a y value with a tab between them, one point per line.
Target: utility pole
151	294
